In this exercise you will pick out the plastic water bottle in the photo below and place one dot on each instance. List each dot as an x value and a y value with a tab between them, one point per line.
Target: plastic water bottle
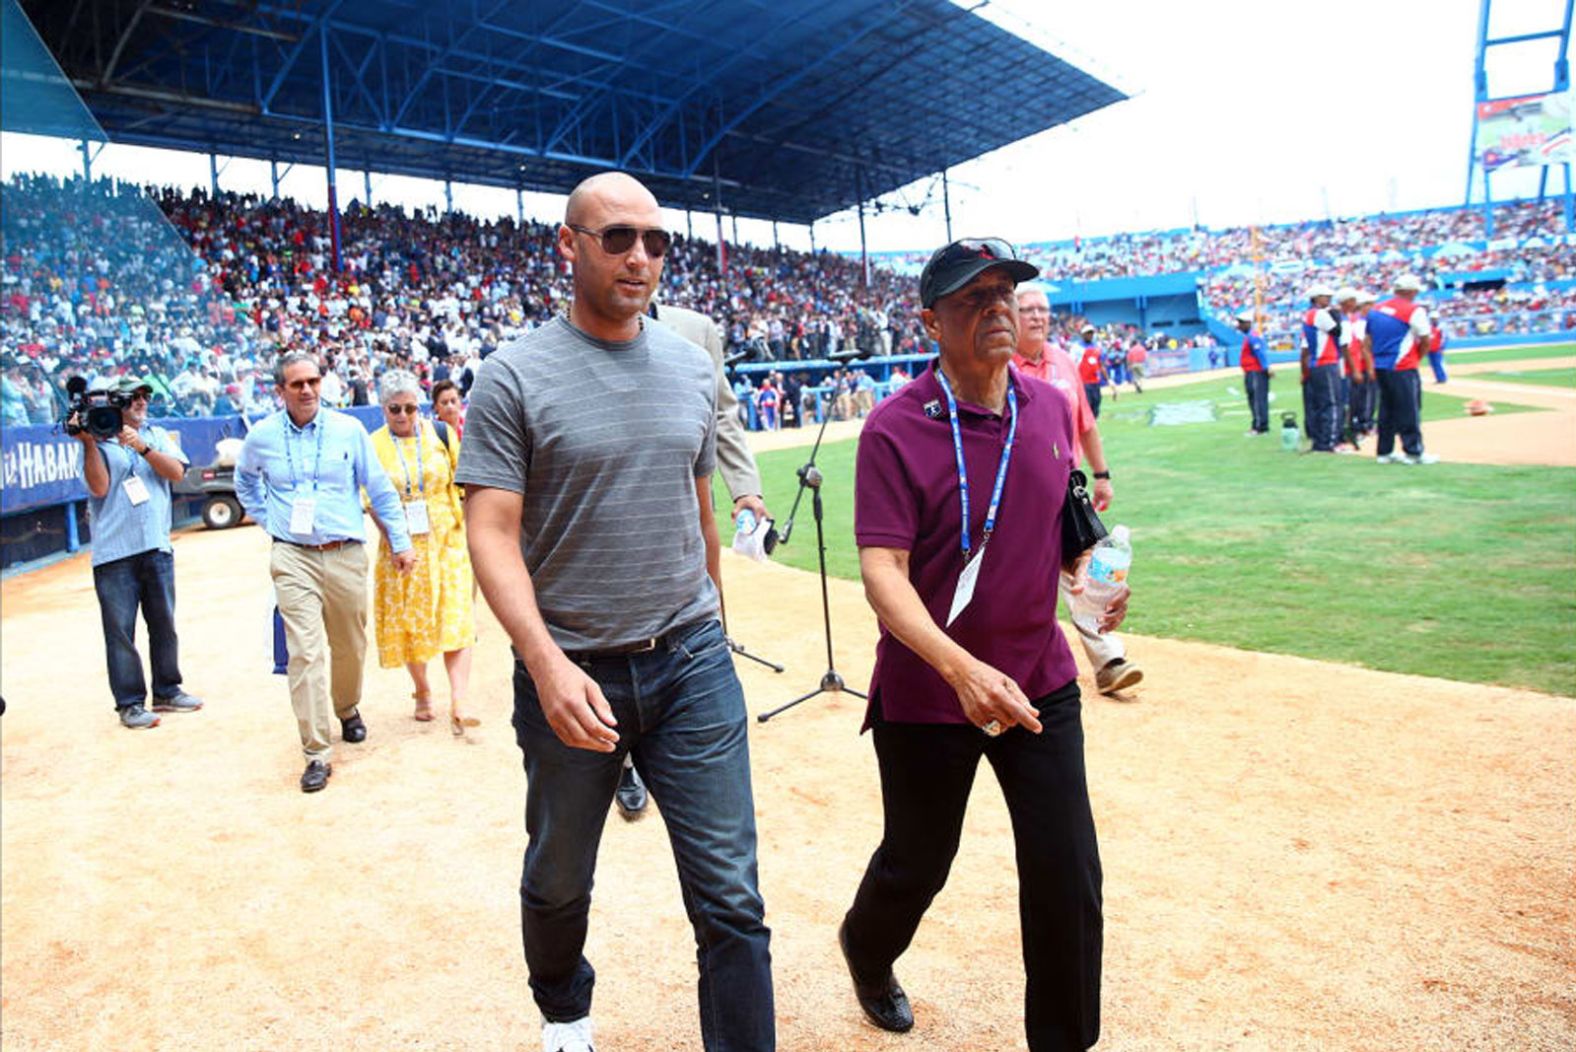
1107	579
750	537
1291	436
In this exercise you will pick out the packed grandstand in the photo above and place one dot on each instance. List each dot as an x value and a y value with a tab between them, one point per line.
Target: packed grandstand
96	282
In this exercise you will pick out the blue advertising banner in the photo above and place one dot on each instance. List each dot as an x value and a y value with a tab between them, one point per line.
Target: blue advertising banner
41	465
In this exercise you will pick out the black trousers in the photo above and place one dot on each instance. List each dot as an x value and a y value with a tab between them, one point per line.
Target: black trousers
1257	385
1092	392
1400	406
1361	406
927	771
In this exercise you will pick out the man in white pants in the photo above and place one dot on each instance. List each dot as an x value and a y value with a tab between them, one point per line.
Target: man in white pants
1035	357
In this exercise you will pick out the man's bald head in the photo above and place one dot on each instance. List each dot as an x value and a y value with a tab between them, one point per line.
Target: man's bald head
605	192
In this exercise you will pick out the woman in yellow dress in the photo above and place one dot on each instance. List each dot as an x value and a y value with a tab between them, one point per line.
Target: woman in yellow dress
430	610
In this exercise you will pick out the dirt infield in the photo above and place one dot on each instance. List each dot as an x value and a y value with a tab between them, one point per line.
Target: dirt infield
1544	438
1297	855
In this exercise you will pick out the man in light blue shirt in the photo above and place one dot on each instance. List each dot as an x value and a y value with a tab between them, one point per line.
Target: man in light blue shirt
128	478
300	475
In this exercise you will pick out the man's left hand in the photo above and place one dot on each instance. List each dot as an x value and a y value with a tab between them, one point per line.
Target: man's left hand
754	503
1115	610
130	439
1102	494
405	561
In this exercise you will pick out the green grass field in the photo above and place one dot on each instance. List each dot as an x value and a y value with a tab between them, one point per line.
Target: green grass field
1509	354
1455	570
1543	377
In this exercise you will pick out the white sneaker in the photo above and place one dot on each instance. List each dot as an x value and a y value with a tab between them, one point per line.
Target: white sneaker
567	1037
1388	458
1423	458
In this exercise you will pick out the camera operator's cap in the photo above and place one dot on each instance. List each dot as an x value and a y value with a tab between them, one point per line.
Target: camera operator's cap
953	266
1320	290
132	384
1408	283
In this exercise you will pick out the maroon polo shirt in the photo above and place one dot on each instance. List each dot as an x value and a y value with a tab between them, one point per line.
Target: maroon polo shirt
906	496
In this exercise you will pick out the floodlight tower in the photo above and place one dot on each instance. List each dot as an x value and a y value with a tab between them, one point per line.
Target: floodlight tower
1488	106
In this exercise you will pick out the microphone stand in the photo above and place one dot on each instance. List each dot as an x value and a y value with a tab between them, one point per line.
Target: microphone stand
810	478
738	648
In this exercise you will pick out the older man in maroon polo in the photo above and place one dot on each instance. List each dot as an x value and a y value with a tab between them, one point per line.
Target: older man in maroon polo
960	486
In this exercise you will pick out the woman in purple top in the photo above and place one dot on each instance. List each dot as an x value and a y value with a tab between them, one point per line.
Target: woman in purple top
960	484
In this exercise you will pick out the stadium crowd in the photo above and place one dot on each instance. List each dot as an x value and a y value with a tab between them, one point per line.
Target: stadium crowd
99	280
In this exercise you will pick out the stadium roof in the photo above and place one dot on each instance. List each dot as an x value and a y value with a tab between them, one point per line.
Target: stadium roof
793	109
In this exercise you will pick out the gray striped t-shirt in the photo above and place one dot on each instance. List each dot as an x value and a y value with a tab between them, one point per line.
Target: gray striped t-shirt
605	442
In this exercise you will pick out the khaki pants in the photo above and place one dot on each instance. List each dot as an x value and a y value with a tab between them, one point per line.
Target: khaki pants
322	598
1100	648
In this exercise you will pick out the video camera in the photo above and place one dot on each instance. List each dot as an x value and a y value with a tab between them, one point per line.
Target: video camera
96	412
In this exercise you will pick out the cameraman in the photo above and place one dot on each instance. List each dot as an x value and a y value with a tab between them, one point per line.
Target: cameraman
128	478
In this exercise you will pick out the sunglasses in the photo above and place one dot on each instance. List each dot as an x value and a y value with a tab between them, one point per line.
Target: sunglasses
618	240
978	248
401	410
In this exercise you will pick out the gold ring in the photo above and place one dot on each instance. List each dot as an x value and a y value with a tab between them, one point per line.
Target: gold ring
992	729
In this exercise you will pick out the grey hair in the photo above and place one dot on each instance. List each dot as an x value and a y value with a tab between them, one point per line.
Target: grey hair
398	382
289	358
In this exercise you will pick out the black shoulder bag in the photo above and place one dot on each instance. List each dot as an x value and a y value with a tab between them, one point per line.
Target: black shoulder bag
1081	527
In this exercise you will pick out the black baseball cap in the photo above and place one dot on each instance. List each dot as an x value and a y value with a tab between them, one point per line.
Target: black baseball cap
953	266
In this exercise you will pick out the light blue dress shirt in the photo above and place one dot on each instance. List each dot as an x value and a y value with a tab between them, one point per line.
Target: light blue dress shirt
121	528
330	460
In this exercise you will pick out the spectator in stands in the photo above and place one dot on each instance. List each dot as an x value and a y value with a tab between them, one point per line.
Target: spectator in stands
427	610
617	655
299	476
128	480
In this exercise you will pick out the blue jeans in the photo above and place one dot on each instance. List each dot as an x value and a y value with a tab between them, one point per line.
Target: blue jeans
146	579
680	711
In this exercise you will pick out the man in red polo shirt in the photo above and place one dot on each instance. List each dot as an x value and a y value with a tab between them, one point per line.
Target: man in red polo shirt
1091	367
1035	357
960	486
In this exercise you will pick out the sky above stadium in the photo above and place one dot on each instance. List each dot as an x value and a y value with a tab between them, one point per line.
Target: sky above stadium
1242	112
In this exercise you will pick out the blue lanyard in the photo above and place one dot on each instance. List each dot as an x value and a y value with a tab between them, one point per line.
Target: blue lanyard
317	460
399	451
963	471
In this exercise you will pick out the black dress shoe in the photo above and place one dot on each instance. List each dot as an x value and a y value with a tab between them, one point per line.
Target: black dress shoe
631	795
315	776
352	729
884	1002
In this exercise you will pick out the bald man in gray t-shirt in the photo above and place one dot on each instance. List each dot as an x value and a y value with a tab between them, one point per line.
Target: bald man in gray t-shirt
589	448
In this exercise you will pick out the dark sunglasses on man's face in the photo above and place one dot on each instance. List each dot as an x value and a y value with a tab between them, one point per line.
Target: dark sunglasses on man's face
618	240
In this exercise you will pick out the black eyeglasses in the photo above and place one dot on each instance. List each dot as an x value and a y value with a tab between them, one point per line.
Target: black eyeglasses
402	410
617	240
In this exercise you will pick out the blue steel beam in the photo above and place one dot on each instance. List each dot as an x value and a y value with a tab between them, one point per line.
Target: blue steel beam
440	58
713	78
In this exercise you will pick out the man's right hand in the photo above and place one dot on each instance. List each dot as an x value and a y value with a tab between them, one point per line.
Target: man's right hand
989	694
84	435
575	707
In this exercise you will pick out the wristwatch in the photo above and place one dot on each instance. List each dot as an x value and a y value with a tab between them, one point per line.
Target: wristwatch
1103	475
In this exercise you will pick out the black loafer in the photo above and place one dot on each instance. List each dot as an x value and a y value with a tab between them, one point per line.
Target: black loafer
315	776
631	796
884	1002
352	729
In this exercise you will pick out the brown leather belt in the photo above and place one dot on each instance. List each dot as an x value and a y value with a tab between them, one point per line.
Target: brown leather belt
330	546
640	646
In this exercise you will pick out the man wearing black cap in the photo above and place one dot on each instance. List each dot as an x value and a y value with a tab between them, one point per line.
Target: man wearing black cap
960	486
128	479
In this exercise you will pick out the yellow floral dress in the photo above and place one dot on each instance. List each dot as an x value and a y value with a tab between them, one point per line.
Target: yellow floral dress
429	611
